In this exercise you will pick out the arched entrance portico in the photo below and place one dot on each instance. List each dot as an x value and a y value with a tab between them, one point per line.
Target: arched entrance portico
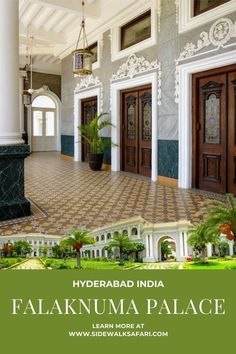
177	243
166	248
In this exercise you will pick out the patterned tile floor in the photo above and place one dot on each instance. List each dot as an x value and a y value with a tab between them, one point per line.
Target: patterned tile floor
69	195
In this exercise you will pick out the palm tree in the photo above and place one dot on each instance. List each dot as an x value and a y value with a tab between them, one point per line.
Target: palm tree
200	236
221	217
120	242
77	239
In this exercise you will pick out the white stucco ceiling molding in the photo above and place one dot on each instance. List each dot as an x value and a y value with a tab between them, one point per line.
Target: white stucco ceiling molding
135	66
220	33
89	82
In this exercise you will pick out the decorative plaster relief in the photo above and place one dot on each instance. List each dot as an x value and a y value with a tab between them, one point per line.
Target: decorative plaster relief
90	82
158	11
220	33
42	89
177	11
136	66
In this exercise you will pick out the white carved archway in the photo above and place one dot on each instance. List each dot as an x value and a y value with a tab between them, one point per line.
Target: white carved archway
159	241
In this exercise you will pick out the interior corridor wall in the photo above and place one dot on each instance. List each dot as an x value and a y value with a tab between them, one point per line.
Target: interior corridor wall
168	48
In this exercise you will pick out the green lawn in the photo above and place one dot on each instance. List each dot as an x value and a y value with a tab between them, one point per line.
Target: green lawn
212	264
88	264
220	263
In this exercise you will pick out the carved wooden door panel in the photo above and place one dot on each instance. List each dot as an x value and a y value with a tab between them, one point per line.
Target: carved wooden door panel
136	131
145	132
212	134
88	112
130	132
232	133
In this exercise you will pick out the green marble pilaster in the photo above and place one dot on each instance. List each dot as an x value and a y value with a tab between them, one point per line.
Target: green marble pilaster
13	203
168	156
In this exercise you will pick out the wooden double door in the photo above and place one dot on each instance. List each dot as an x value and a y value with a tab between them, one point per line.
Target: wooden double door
88	112
214	130
136	130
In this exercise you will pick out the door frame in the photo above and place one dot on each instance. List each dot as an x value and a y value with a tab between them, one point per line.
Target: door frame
185	109
195	143
95	92
44	91
122	110
84	100
116	87
43	110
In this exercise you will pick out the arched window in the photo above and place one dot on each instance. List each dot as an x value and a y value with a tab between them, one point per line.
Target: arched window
43	102
134	231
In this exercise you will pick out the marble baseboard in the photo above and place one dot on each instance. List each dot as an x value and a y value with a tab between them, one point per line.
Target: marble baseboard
67	148
67	145
167	181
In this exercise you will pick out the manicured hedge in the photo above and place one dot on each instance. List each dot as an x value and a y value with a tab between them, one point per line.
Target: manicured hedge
7	262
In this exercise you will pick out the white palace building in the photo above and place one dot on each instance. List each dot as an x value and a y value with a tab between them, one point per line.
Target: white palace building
151	235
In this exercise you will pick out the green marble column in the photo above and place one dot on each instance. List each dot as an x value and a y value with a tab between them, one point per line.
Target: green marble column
13	203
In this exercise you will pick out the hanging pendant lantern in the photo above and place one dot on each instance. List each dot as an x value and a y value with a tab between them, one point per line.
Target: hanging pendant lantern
82	64
27	94
82	58
26	98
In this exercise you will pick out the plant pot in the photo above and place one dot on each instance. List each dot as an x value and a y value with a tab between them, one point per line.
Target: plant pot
95	161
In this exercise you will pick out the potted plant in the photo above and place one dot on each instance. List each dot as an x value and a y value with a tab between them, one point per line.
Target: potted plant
91	133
